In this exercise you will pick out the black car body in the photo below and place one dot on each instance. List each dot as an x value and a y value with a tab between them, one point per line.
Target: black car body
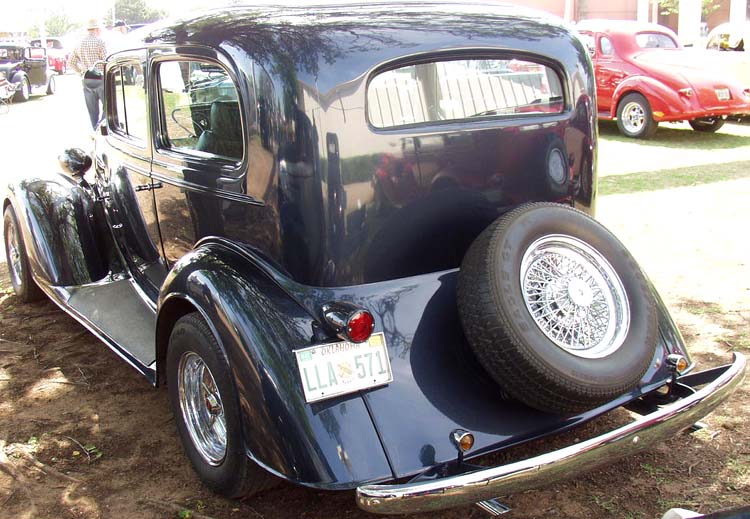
26	68
249	174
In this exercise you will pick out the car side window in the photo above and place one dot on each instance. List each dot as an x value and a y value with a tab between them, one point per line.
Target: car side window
200	109
128	116
605	46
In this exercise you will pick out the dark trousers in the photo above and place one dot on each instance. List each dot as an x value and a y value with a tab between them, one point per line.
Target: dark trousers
93	93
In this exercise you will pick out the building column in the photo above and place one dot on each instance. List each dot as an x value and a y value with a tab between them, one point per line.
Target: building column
568	12
689	22
655	11
737	11
642	11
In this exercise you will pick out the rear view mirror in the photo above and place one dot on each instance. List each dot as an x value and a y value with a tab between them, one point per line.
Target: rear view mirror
75	162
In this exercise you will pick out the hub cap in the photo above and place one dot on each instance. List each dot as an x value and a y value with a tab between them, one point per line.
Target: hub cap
574	296
633	117
202	409
13	251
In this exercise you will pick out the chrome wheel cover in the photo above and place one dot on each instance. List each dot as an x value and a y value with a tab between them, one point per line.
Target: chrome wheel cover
202	408
574	296
633	117
13	252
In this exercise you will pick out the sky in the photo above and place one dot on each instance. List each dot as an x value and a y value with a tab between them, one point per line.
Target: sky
18	16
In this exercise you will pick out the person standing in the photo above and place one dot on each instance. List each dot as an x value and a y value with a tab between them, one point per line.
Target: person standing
84	61
116	39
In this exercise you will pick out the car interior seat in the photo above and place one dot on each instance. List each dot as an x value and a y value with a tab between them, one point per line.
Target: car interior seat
224	136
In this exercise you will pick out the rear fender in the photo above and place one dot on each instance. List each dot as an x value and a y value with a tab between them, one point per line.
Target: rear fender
664	101
329	445
57	219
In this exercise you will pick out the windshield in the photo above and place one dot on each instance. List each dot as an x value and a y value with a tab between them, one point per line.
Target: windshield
655	40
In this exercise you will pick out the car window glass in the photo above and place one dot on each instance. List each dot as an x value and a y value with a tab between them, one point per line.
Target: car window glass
605	46
201	110
654	40
10	54
462	89
128	114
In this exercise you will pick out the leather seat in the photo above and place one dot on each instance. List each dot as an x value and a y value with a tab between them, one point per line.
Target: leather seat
224	137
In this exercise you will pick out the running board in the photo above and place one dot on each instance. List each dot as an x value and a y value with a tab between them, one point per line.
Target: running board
116	313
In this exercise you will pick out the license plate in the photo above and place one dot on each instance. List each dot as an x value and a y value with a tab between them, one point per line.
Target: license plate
338	368
722	94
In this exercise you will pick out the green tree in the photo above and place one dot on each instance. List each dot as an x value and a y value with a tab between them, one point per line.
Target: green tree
56	24
673	6
134	11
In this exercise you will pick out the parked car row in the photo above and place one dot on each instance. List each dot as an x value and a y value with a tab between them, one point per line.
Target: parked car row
357	245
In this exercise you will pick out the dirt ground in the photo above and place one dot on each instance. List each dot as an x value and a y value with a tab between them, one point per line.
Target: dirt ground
82	435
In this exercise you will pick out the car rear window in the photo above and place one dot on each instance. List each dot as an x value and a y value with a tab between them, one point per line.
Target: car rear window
464	89
655	40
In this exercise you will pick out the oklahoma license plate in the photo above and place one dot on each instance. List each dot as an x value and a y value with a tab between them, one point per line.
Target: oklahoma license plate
722	94
338	368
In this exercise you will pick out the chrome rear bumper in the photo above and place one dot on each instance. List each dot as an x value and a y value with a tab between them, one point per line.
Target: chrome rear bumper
472	487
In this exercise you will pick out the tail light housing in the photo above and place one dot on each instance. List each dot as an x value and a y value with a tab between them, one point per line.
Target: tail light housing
349	322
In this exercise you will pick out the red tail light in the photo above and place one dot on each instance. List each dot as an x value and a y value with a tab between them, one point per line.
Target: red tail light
348	322
360	326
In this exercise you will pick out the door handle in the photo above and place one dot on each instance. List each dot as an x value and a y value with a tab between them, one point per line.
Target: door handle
148	187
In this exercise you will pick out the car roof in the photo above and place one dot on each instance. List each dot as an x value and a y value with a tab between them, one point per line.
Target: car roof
330	43
622	27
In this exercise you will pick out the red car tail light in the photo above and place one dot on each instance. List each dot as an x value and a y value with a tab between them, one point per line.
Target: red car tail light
686	92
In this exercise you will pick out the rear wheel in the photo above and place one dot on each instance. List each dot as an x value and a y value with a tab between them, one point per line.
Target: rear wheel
635	118
18	261
207	413
556	310
707	125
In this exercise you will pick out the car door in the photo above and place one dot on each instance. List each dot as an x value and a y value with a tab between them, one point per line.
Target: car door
608	72
199	151
124	164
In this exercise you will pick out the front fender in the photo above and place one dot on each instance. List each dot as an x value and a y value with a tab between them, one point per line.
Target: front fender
665	102
17	77
328	445
57	219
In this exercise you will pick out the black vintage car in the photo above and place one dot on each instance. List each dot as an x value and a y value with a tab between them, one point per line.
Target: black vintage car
356	243
26	69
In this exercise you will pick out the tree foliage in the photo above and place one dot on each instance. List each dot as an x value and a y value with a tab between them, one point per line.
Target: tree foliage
673	6
56	24
134	11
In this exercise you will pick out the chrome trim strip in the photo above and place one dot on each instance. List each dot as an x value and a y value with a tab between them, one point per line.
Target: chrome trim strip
469	488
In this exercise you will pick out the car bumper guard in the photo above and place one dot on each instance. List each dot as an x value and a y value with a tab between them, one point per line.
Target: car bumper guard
481	485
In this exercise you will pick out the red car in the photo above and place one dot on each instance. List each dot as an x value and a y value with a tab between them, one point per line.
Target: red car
57	54
644	76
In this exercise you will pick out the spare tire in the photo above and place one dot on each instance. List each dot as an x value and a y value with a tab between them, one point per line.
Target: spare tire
556	309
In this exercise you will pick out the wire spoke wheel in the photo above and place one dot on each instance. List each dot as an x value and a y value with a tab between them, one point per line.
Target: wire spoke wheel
202	408
574	296
556	310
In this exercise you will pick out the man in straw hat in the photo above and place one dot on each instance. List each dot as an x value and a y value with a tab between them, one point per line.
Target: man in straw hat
84	61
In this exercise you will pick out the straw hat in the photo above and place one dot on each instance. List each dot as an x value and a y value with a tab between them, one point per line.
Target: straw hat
94	24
